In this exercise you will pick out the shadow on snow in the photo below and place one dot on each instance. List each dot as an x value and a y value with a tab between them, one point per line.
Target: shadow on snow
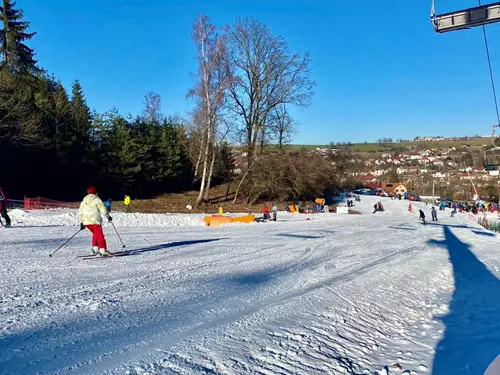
471	338
74	344
166	246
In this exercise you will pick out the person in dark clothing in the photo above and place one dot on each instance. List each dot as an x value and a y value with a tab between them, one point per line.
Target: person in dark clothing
3	208
422	216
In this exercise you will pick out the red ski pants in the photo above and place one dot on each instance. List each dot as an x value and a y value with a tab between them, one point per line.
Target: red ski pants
97	236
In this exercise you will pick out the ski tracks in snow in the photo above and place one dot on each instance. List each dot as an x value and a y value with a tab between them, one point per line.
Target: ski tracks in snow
336	295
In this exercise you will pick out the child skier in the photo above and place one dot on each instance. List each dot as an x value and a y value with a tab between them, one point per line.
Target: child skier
275	211
265	213
108	205
410	208
434	214
126	202
90	215
422	216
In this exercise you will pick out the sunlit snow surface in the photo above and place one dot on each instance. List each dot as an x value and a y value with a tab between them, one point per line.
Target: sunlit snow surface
309	294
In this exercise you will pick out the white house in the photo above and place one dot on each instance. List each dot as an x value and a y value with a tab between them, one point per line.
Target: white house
415	157
401	170
440	175
467	177
386	156
438	162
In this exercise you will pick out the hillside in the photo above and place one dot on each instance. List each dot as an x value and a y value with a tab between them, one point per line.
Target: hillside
475	142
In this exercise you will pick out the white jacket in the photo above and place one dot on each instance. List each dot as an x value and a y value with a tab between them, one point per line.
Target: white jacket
92	210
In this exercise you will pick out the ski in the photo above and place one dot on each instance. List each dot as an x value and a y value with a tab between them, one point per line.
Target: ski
112	255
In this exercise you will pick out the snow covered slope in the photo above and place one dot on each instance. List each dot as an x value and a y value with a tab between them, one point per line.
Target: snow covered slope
335	294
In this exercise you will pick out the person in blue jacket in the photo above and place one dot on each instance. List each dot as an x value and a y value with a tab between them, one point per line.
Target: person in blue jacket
108	205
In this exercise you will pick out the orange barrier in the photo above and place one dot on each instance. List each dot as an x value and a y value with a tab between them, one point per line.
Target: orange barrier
244	219
216	220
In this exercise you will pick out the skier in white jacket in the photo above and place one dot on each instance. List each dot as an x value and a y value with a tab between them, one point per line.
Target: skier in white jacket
90	215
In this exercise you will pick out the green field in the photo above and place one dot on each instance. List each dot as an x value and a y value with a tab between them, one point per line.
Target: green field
403	146
393	147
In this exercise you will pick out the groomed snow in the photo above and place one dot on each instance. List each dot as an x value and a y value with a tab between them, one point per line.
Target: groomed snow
335	294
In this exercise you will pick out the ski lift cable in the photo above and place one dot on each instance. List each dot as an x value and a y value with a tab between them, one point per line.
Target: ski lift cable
491	71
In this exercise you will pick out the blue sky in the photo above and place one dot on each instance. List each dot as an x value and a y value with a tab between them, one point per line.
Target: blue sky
380	69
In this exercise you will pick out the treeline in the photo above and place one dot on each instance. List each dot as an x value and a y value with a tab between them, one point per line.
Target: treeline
52	144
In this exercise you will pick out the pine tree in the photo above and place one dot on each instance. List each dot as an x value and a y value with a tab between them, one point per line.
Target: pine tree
124	156
79	110
16	55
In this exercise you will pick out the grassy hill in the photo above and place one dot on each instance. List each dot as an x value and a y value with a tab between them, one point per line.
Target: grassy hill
401	146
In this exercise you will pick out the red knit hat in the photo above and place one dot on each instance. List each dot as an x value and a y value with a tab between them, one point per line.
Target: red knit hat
92	190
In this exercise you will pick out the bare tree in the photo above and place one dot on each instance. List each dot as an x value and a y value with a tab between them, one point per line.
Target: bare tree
209	93
264	75
152	110
283	127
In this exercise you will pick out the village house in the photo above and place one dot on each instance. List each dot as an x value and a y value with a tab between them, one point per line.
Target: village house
400	170
440	175
424	161
464	176
378	172
415	157
368	179
438	163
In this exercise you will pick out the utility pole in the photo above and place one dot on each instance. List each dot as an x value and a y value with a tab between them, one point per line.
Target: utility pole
433	198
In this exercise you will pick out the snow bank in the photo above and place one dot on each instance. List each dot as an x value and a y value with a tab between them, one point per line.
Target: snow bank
41	218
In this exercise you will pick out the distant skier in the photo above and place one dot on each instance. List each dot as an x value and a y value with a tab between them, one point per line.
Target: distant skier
126	202
90	215
221	211
434	214
3	208
410	208
108	205
422	216
275	211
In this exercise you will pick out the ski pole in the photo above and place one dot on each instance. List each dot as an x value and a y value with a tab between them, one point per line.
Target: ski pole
64	244
123	245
